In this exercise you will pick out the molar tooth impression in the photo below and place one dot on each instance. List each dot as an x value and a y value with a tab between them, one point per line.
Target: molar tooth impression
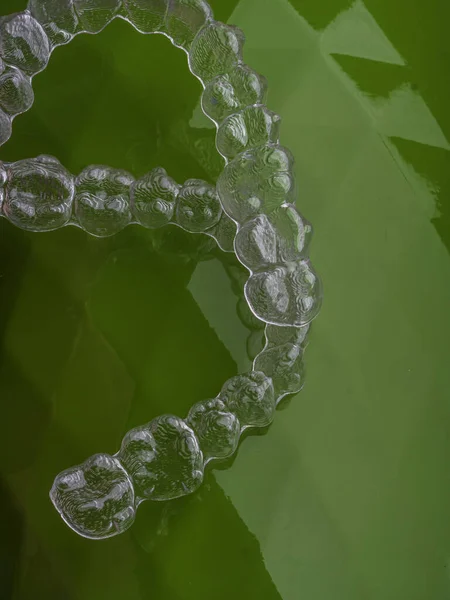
23	43
198	206
217	429
153	198
163	458
251	398
96	499
285	295
38	194
102	201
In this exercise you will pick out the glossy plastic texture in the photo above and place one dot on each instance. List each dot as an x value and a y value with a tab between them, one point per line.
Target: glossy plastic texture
233	91
198	207
257	181
285	295
38	194
216	50
252	127
102	200
153	198
250	211
217	428
16	93
346	496
163	459
23	43
57	17
251	398
96	499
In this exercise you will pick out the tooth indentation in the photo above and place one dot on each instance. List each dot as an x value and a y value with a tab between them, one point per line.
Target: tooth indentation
198	206
254	126
23	43
57	17
163	458
256	243
233	91
257	181
38	194
153	198
217	429
251	398
96	499
16	93
285	295
102	200
216	49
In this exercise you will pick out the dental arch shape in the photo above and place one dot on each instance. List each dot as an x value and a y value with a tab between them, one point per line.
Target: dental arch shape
250	211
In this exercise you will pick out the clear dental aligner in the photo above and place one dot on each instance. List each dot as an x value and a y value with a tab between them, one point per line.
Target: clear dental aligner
39	194
166	458
251	211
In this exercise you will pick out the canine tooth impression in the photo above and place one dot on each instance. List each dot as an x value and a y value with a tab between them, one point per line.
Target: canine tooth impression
216	49
252	127
279	238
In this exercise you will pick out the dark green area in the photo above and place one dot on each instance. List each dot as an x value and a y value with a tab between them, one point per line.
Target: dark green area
346	496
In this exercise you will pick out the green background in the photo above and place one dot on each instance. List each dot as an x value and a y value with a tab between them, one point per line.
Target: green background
346	496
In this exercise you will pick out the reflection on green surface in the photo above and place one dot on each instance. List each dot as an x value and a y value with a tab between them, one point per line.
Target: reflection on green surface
346	495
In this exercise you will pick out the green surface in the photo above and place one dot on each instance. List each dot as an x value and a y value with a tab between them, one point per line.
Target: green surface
346	497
